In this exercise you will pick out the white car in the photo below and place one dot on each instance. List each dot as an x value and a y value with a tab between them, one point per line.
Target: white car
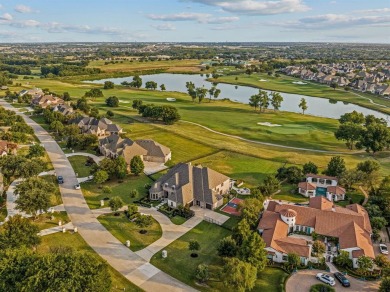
326	279
383	248
77	187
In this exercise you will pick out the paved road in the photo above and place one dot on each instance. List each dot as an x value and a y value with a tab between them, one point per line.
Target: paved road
303	280
128	263
95	158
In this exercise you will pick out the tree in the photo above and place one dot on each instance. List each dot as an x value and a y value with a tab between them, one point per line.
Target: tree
378	223
351	177
352	117
112	101
349	132
370	172
381	261
151	85
115	203
36	150
109	114
136	103
334	85
343	259
336	167
169	114
374	138
100	176
310	167
252	251
133	193
10	165
57	126
61	269
94	112
66	96
365	264
241	232
385	285
217	92
109	85
254	101
303	105
270	185
18	232
250	210
202	273
276	100
227	247
238	275
144	221
120	165
94	92
211	92
162	87
31	167
136	165
263	100
34	195
132	209
319	248
193	246
201	93
137	82
293	260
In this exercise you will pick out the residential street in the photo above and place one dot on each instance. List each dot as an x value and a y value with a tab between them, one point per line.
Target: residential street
129	264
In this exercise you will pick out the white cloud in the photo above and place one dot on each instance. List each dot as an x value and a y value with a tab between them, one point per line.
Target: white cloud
258	7
23	9
6	17
198	17
379	10
25	23
164	26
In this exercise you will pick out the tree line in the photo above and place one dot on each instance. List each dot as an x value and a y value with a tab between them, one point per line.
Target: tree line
200	92
166	113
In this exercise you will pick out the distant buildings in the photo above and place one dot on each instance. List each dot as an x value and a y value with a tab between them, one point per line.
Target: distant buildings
187	184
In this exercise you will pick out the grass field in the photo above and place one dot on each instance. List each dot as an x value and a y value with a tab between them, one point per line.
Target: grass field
284	84
44	221
93	193
78	164
124	230
180	265
119	283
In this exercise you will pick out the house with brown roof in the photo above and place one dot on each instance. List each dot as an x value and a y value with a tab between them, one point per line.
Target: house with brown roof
93	126
192	185
149	150
350	226
45	101
321	185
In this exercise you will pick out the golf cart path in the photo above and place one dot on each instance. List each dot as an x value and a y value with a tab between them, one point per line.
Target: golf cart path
129	264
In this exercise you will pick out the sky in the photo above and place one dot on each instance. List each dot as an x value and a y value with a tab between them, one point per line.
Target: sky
360	21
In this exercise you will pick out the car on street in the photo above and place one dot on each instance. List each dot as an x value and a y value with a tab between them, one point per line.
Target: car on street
77	187
342	279
326	279
60	179
383	248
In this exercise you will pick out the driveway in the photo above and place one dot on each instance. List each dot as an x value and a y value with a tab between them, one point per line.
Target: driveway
130	265
303	280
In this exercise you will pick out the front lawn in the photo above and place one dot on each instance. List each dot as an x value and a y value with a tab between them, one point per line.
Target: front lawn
78	164
123	229
178	220
287	193
93	193
353	197
271	280
44	221
119	282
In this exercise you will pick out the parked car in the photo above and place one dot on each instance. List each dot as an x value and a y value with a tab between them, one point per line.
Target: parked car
77	187
326	279
60	179
342	279
383	248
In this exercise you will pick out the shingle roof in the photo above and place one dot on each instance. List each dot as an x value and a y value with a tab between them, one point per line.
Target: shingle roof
154	148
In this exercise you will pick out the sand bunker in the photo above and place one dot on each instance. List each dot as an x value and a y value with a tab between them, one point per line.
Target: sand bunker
263	80
267	124
171	99
124	101
299	82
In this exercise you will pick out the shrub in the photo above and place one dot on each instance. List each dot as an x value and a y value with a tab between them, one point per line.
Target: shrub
107	190
321	288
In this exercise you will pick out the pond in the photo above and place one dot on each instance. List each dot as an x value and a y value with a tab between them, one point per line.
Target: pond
316	106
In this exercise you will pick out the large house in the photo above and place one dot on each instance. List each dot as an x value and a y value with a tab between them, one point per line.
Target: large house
35	92
321	185
102	127
350	226
149	150
45	101
63	109
187	184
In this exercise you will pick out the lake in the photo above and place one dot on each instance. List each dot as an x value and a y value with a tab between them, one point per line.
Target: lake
321	107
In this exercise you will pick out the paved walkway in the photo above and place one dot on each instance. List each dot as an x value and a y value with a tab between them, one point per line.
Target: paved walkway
129	264
48	231
95	158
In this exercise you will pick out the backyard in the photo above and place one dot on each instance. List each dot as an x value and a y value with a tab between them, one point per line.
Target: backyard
123	229
181	265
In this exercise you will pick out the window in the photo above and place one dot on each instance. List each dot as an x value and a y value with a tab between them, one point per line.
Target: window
284	258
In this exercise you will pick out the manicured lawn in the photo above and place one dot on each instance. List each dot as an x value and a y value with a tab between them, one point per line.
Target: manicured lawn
290	197
44	221
181	265
78	164
123	230
93	194
178	220
119	283
356	196
231	222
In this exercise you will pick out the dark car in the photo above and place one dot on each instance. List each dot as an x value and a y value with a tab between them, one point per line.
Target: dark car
60	179
342	279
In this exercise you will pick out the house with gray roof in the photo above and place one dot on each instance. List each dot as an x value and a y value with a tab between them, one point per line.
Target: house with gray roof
102	127
192	185
63	109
